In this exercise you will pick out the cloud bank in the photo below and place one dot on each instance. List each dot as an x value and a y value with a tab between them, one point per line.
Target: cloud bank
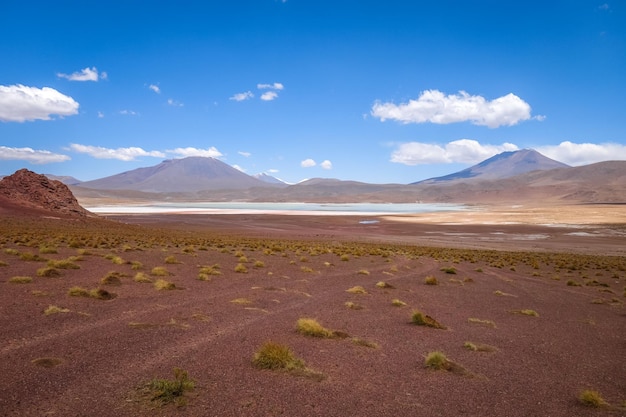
86	74
31	155
466	151
121	154
211	152
20	103
433	106
584	153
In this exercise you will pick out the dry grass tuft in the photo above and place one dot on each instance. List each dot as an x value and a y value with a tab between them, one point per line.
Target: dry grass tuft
526	312
311	327
47	362
478	347
167	391
162	284
21	280
431	280
592	398
48	272
422	319
383	284
159	271
141	277
353	306
489	323
398	303
55	310
275	356
356	290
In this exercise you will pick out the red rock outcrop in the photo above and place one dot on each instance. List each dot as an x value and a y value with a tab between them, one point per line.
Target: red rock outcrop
30	190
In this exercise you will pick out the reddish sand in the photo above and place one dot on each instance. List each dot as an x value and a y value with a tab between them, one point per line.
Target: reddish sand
107	349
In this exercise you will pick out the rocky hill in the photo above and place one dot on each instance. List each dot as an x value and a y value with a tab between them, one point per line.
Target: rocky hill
26	191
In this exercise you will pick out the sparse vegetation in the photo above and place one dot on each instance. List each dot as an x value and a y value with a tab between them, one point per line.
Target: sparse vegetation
141	277
353	306
241	269
478	347
97	293
275	356
48	272
449	270
363	272
356	290
383	284
311	327
21	280
55	310
422	319
592	398
398	303
166	391
159	271
365	343
171	260
436	360
526	312
431	280
162	284
489	323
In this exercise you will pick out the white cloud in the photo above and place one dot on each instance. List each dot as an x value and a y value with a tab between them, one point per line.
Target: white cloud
86	74
272	171
175	103
269	96
242	96
246	154
155	88
129	113
238	168
122	154
604	6
100	115
327	164
584	153
31	155
435	107
275	86
465	151
308	163
19	103
211	152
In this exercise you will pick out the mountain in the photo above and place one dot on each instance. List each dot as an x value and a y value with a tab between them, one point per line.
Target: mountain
184	175
65	179
269	179
26	192
503	165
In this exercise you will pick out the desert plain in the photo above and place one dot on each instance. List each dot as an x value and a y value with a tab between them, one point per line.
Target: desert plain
98	313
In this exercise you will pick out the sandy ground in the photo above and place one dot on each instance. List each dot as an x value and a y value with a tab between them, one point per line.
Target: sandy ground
101	352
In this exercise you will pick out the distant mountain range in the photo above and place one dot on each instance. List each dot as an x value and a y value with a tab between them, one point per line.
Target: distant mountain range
504	165
510	176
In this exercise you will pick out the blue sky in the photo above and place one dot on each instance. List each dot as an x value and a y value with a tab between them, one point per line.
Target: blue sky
375	91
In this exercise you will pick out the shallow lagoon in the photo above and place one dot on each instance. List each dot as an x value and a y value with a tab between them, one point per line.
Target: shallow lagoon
278	208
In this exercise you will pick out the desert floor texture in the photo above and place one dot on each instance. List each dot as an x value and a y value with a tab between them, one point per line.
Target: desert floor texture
531	301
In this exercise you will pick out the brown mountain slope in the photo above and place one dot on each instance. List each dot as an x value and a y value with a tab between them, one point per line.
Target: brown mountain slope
26	192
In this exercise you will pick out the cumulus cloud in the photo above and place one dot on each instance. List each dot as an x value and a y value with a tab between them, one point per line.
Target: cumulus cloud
242	96
308	163
31	155
466	151
275	86
327	164
86	74
269	96
584	153
155	88
19	103
211	152
435	107
122	154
